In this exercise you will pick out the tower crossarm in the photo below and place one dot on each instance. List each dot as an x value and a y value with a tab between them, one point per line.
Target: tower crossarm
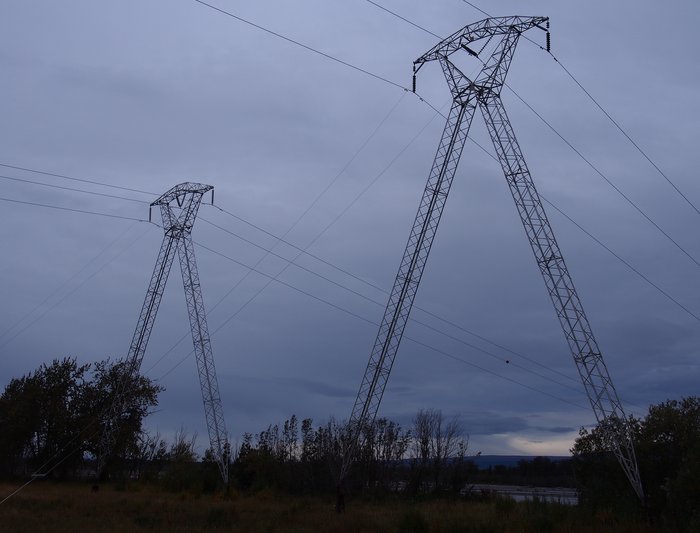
492	76
179	193
489	27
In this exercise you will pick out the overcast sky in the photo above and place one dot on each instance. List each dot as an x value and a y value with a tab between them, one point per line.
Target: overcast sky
148	94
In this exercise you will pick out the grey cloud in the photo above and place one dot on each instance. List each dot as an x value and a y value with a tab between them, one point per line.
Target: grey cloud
146	97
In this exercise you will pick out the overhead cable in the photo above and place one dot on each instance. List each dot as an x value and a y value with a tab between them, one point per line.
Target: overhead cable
73	178
604	111
72	189
71	209
584	158
364	319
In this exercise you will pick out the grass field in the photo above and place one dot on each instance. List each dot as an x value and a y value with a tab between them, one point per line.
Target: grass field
44	506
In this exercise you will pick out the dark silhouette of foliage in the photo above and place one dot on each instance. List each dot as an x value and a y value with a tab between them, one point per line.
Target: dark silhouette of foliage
667	442
309	462
51	419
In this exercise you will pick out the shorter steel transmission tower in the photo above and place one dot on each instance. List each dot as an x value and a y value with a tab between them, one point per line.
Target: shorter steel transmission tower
178	208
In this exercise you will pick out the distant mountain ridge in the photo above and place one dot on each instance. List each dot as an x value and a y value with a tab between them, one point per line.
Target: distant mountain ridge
509	461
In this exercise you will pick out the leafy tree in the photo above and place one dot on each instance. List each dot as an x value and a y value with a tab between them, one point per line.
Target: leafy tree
41	414
52	417
141	396
667	443
19	418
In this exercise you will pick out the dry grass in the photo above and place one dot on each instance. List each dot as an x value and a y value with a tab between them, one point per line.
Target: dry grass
73	507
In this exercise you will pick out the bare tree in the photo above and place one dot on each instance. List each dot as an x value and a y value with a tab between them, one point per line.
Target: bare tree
436	441
445	443
183	448
290	438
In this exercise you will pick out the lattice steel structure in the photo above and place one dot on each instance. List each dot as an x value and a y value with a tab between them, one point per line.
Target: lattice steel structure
484	92
178	208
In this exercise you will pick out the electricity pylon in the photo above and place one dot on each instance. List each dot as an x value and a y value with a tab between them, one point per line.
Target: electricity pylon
178	208
484	92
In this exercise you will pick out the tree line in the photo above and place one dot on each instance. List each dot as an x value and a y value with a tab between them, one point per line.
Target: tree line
51	421
428	456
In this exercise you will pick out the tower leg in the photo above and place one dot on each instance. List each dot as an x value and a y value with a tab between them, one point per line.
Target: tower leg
139	341
577	330
208	382
409	275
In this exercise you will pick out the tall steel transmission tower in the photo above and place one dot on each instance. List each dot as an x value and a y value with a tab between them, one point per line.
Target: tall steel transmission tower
484	92
178	208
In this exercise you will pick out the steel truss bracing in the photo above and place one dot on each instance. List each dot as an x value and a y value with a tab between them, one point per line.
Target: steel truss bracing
589	361
484	92
178	207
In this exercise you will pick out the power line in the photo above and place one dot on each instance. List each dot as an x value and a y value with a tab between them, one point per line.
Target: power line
442	319
417	342
404	19
318	52
71	209
364	319
381	304
309	48
441	352
477	8
325	229
72	189
327	279
302	45
578	152
65	283
627	136
295	42
603	245
328	226
605	112
72	178
73	291
357	152
623	261
607	180
451	323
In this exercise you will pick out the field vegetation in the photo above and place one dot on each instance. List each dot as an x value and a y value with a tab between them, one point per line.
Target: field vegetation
70	507
284	478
